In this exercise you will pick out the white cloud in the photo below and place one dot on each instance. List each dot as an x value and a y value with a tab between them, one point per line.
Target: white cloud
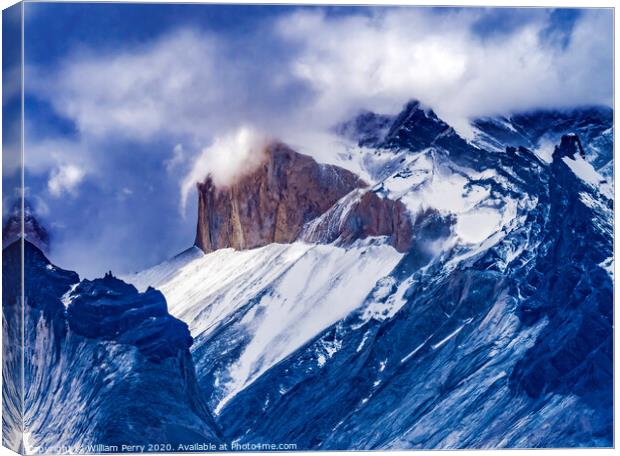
161	87
177	159
188	85
64	178
380	61
231	155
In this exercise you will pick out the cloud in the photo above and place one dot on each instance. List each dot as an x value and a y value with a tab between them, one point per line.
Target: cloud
231	156
178	158
64	178
187	84
381	60
139	92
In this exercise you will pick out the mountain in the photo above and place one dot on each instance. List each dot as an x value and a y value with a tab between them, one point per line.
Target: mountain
473	310
459	295
32	229
104	365
541	130
272	203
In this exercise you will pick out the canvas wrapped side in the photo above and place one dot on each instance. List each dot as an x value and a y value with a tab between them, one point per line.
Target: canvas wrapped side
12	231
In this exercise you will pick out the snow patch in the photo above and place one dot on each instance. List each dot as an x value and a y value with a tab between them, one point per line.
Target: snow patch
328	349
608	265
384	303
584	171
545	150
67	298
477	225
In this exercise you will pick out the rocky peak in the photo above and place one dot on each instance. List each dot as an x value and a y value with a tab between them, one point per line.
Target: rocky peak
415	128
368	129
33	231
271	203
111	309
364	214
569	146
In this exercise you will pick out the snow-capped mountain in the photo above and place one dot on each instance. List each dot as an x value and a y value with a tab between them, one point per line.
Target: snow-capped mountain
491	328
32	229
430	291
103	364
541	131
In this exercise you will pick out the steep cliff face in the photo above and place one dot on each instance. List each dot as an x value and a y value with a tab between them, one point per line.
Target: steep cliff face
363	214
290	197
272	203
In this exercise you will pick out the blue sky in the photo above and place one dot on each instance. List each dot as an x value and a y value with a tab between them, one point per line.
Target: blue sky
124	101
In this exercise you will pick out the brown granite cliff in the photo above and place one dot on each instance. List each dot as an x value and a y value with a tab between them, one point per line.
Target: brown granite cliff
280	199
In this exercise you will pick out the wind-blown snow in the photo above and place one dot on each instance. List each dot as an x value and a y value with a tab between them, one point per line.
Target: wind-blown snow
295	292
203	289
477	225
586	172
545	149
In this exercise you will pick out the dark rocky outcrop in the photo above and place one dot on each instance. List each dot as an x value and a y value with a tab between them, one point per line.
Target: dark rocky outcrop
367	128
568	147
112	368
111	309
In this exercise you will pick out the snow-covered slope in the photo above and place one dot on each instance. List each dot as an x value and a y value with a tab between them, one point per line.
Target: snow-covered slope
433	348
271	300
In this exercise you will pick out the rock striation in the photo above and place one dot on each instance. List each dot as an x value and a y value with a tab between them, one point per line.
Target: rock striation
363	214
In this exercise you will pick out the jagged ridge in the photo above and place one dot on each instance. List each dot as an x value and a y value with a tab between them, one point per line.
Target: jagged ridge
113	368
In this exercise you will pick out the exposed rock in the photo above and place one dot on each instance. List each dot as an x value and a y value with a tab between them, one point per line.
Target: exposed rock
34	232
270	204
114	363
363	214
569	146
367	128
415	128
111	309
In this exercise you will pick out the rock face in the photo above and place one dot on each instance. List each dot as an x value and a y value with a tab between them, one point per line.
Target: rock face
569	146
271	204
111	309
34	232
365	214
367	128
